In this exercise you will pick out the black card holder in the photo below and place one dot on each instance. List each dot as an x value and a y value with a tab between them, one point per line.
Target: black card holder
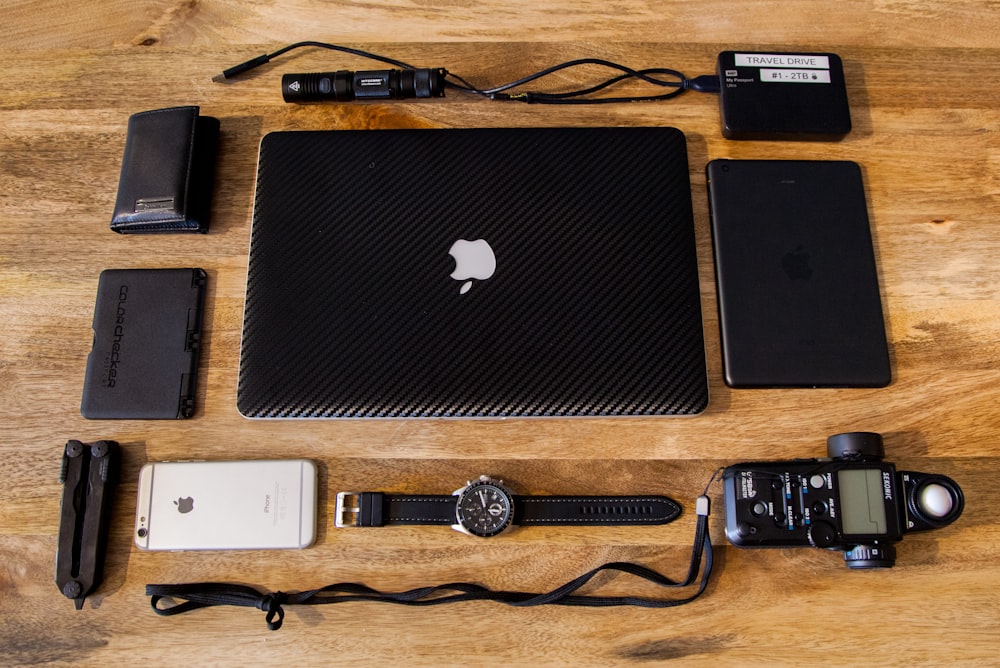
167	172
143	364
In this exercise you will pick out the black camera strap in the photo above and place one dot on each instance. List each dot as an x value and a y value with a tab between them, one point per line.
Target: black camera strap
207	594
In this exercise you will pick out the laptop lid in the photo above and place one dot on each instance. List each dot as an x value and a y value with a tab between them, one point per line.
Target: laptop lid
798	290
472	273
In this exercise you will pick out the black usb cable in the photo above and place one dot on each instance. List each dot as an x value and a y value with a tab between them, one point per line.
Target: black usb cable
413	82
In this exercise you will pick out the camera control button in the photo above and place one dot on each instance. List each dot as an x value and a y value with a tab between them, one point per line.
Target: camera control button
822	534
870	556
759	509
745	529
817	481
820	508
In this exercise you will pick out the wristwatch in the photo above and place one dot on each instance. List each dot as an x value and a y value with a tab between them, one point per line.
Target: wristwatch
486	508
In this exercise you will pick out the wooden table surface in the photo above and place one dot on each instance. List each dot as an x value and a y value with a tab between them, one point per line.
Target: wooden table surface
924	91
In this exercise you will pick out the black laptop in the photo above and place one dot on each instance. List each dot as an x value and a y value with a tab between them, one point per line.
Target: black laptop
472	273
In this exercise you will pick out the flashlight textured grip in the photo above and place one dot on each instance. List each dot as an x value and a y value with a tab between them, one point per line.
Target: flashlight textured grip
345	85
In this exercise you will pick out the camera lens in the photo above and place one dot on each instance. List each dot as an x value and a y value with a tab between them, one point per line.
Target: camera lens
142	533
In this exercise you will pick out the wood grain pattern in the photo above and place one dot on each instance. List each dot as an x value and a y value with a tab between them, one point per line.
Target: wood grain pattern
927	133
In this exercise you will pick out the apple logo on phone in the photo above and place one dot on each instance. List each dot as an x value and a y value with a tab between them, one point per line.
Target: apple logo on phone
796	265
184	504
473	260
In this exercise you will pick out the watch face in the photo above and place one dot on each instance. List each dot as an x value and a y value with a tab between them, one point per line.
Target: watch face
485	509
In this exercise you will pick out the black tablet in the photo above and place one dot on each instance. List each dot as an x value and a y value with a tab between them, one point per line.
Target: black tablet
798	289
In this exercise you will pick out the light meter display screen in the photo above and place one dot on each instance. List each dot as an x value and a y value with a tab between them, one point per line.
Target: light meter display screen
862	501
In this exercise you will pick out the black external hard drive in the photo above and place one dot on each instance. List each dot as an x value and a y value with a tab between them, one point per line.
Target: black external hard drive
147	331
784	96
798	288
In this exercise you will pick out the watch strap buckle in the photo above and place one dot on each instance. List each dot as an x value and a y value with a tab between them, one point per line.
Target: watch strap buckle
358	509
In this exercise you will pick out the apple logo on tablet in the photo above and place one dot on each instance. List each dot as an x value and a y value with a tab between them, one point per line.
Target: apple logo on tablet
473	260
184	504
796	265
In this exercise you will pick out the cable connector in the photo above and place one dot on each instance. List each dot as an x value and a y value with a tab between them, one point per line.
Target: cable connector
703	506
706	83
241	68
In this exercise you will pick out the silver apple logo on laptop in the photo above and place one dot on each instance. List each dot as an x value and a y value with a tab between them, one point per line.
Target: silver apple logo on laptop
473	260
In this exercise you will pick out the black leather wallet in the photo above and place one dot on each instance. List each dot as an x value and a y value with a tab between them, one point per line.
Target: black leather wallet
167	172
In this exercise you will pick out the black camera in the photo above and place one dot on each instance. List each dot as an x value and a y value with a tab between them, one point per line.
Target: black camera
851	501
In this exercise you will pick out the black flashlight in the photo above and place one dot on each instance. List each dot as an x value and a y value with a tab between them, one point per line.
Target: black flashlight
345	85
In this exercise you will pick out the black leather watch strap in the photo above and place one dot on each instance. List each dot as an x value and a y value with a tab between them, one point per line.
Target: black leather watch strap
375	509
599	510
